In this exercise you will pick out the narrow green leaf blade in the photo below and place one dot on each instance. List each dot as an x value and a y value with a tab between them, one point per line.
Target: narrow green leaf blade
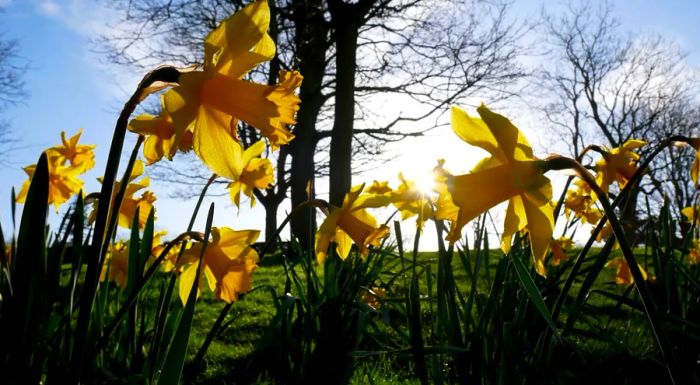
534	294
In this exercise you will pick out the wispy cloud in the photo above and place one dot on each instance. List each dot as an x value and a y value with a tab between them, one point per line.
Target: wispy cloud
49	8
90	19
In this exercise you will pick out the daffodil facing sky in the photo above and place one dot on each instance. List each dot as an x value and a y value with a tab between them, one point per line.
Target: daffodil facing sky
211	101
511	173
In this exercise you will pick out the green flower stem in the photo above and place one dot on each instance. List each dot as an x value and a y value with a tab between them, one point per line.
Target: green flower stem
216	327
558	163
97	250
189	234
560	202
599	227
119	197
211	180
104	339
197	361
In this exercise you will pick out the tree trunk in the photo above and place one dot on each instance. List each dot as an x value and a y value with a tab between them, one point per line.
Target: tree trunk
628	218
311	43
341	139
271	207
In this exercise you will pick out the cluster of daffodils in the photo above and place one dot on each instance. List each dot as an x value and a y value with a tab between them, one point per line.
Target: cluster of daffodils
511	173
615	167
65	163
201	114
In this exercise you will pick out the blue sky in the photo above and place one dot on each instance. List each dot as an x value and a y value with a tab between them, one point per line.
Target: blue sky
70	88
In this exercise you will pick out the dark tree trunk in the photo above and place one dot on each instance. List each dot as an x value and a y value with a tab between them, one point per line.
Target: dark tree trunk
271	207
311	43
346	31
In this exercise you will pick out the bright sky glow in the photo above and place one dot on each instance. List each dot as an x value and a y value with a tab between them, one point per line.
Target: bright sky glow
71	88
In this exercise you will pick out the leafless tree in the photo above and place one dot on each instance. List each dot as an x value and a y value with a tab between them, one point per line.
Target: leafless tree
427	54
12	90
604	87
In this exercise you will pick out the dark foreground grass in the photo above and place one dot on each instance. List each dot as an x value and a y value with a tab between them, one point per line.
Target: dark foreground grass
614	340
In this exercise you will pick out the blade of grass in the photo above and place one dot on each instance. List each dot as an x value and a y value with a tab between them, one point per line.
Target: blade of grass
175	357
534	293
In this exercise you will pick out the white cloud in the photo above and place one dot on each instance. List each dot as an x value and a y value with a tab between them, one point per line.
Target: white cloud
49	8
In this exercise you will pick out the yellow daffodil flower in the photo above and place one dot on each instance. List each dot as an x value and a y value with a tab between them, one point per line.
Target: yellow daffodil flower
511	173
228	264
373	297
559	247
127	210
581	201
695	168
65	162
694	254
80	156
255	173
116	266
623	275
351	223
690	212
445	209
171	261
378	187
63	183
160	135
129	205
211	101
618	165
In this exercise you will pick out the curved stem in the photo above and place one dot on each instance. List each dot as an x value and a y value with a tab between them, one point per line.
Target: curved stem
558	163
562	197
119	197
95	256
620	197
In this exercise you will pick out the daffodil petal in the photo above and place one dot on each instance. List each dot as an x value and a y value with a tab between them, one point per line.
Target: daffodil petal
516	220
215	145
186	281
254	104
540	227
510	140
476	192
475	132
343	243
243	37
326	233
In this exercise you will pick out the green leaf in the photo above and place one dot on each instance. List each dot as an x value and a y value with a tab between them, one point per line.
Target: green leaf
534	294
27	307
175	357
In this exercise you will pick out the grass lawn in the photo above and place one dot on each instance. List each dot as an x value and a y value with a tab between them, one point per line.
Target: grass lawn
608	335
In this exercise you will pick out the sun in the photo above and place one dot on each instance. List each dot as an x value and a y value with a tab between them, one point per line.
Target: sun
425	183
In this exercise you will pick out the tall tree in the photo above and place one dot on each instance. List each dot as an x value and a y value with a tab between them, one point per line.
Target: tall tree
430	53
12	90
605	87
